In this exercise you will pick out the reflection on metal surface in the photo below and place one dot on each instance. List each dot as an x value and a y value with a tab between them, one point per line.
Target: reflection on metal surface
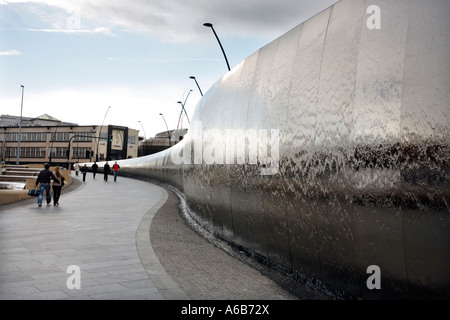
363	174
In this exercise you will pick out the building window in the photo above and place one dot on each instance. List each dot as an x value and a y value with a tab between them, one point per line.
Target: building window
103	136
27	136
131	139
83	153
60	136
58	153
34	136
11	137
32	152
8	120
10	153
25	152
83	137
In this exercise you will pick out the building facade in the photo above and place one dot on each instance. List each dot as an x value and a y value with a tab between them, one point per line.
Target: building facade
59	143
161	141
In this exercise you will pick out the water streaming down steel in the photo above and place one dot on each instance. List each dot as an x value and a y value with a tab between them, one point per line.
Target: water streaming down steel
362	122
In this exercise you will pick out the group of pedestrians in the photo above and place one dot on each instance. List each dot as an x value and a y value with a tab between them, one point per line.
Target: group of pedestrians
107	170
45	178
94	167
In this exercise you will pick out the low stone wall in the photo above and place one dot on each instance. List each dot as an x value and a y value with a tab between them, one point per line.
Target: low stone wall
9	196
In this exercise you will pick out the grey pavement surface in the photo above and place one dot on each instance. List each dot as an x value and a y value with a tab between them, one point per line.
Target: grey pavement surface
130	243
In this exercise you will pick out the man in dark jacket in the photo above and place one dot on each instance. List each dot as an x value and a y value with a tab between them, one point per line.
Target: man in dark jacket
43	180
84	171
94	169
106	170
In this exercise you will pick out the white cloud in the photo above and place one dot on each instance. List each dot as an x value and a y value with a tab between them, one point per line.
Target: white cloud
77	31
182	20
11	53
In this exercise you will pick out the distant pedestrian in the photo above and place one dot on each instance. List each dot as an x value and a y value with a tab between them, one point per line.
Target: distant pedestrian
94	169
43	180
116	168
84	172
76	167
57	186
106	170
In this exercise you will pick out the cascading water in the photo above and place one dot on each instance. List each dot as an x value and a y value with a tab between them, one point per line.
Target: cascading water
356	123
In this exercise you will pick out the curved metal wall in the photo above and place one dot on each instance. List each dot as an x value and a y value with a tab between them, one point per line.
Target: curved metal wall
358	122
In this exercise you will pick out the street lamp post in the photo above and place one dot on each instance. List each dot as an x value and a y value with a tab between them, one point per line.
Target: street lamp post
210	25
100	133
187	97
145	136
183	109
168	133
20	129
192	77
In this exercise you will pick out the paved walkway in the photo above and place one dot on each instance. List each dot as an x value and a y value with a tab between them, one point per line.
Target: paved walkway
129	242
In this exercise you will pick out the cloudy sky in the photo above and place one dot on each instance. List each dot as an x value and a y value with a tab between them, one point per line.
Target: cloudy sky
76	58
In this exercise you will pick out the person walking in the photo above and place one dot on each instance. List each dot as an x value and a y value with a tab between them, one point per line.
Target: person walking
116	168
106	170
76	167
94	169
43	180
57	186
84	172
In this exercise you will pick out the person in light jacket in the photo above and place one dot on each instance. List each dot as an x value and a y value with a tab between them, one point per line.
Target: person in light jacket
57	186
76	167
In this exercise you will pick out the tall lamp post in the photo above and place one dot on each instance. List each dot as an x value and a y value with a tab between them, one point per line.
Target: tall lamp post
168	133
192	77
20	129
183	109
100	133
145	136
209	25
